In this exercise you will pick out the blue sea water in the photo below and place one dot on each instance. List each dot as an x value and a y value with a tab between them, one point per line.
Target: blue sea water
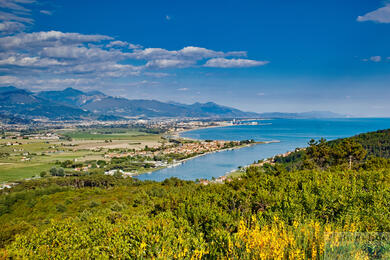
291	133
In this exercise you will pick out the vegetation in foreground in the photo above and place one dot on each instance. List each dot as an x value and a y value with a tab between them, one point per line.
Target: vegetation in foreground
309	207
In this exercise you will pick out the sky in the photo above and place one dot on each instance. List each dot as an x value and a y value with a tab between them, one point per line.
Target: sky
260	55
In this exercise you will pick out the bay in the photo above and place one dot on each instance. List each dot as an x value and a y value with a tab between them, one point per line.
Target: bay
291	134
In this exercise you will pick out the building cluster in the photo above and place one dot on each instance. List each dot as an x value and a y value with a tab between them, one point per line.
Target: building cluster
38	136
183	149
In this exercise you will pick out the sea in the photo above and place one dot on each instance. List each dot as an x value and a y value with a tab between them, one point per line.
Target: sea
290	134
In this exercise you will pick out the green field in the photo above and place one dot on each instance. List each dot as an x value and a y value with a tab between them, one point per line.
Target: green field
12	168
103	135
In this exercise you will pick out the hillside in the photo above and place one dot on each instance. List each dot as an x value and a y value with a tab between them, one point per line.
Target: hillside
311	114
98	102
25	105
73	104
376	144
72	97
268	213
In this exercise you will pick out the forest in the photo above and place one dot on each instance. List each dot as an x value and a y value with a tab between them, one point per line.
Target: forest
329	200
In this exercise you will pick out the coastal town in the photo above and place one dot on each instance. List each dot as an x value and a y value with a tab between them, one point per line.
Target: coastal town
127	148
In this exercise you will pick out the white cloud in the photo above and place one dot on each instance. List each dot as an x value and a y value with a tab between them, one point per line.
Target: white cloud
38	59
11	27
16	5
183	89
9	80
260	94
376	58
82	54
123	44
169	63
373	59
7	16
135	46
381	15
117	44
157	74
46	39
15	11
233	63
26	61
47	12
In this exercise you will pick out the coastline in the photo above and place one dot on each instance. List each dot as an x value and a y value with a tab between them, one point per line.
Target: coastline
177	134
228	175
203	154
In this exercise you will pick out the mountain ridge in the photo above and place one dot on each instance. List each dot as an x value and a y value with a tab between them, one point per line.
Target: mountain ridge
74	104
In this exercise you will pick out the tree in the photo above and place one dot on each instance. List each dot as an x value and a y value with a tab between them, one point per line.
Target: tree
349	151
319	152
60	172
53	171
57	172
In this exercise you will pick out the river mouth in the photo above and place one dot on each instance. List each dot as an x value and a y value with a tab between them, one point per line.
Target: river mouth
292	133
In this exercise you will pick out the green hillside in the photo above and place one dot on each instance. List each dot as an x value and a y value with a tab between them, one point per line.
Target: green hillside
271	212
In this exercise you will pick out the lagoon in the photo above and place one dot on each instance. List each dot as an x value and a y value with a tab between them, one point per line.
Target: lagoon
291	134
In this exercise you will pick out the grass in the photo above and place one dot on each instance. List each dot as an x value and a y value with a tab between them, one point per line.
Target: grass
17	171
236	173
96	135
12	168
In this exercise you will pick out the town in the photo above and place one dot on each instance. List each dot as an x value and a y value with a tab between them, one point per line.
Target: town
126	148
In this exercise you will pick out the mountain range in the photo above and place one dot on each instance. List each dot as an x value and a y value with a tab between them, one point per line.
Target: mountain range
20	105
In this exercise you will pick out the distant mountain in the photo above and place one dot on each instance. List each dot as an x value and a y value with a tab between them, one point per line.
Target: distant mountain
211	109
25	105
11	119
100	103
17	105
311	114
72	97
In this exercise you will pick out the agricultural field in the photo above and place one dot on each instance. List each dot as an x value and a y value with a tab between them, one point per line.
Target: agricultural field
27	158
104	134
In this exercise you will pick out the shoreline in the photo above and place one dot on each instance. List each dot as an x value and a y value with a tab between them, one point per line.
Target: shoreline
178	163
178	133
228	175
207	153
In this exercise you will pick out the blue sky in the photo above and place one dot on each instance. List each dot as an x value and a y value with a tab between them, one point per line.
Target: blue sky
261	56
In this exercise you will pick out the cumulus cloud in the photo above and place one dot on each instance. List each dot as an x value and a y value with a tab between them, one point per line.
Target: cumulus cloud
82	53
187	53
233	63
25	61
169	63
11	27
55	59
75	58
117	44
381	15
56	83
58	54
122	44
46	39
